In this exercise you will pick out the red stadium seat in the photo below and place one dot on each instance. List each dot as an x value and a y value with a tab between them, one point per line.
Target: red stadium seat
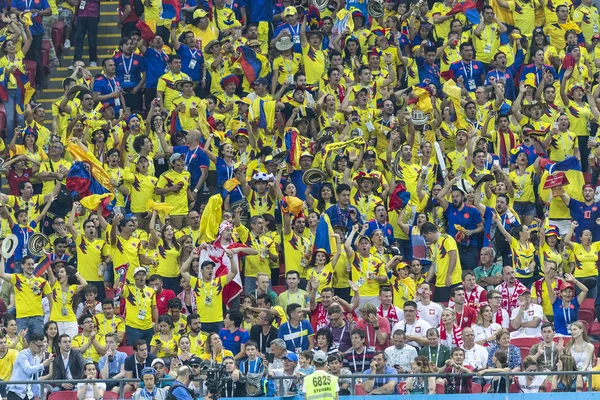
588	304
31	67
524	352
476	388
524	342
126	349
487	387
595	328
514	388
359	391
63	395
279	289
58	33
128	395
440	389
585	314
108	395
2	118
46	49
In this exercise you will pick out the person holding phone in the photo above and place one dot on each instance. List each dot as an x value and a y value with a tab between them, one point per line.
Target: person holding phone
28	367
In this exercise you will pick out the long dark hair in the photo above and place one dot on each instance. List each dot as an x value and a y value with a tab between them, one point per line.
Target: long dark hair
347	60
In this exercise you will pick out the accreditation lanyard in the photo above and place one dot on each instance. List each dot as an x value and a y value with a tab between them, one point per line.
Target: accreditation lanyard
567	315
363	360
337	344
470	76
113	85
551	355
139	297
112	325
437	353
294	339
127	68
193	54
25	234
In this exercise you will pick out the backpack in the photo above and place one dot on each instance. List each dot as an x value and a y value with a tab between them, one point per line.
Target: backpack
171	396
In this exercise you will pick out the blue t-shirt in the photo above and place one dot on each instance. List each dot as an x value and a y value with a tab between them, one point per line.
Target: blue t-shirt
360	4
114	367
237	8
427	71
156	66
341	217
387	229
192	61
586	216
194	161
472	72
233	341
129	70
563	316
379	382
224	173
26	5
261	10
468	217
294	31
23	235
104	86
296	338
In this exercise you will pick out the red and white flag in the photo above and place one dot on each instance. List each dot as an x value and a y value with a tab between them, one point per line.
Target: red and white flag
216	254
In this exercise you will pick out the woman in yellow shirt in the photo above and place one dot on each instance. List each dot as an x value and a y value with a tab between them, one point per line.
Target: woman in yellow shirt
14	340
29	147
522	179
584	257
285	65
169	251
522	251
164	342
549	248
63	294
322	266
213	349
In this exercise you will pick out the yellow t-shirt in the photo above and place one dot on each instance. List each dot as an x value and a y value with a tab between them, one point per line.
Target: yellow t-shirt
585	261
440	31
523	15
168	261
523	184
197	344
264	245
441	258
325	278
522	258
365	204
113	325
219	358
340	273
141	189
362	267
62	309
209	298
28	295
170	345
62	119
487	43
563	145
545	299
91	352
51	166
295	247
126	251
7	362
178	199
546	254
165	85
89	256
579	117
287	67
185	118
260	205
33	206
18	61
404	290
138	306
588	20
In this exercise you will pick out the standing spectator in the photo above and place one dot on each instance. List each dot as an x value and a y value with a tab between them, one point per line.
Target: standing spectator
140	308
379	365
130	70
233	337
163	296
468	71
88	17
509	291
340	328
29	291
173	186
376	328
38	9
156	65
68	365
28	367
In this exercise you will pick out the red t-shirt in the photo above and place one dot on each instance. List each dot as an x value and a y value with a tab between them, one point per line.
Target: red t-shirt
467	318
162	300
14	180
371	339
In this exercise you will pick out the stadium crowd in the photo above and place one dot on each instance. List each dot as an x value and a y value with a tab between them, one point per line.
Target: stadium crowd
364	186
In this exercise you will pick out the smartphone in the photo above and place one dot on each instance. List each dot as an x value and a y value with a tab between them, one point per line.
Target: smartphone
496	162
270	358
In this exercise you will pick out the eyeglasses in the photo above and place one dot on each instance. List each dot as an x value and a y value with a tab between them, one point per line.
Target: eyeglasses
495	297
195	365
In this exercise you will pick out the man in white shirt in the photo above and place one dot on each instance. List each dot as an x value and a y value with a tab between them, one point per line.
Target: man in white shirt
415	329
426	309
527	318
400	355
476	355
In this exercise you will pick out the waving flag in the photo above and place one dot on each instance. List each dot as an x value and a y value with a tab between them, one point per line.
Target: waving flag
42	266
292	143
121	275
251	65
264	112
217	255
24	89
171	9
324	239
571	167
468	8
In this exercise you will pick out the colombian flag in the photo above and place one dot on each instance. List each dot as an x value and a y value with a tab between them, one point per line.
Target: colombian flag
251	65
42	266
264	113
324	239
24	89
292	143
468	8
572	169
171	10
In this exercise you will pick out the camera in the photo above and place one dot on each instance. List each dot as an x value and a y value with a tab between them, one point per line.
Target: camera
216	377
393	250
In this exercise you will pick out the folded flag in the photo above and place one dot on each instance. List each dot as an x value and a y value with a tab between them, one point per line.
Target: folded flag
42	266
121	275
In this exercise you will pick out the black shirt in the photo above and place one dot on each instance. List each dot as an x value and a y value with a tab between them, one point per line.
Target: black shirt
131	365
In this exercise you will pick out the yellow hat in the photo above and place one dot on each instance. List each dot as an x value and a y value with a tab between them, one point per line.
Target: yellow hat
200	13
530	80
290	10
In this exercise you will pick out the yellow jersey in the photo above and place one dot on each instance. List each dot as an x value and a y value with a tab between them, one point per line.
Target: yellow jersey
28	295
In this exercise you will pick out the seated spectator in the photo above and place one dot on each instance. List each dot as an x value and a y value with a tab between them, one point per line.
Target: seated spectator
161	373
90	306
494	298
509	290
263	332
499	364
253	364
415	328
136	362
297	331
236	386
567	383
387	309
68	365
305	366
546	352
465	315
91	388
579	347
233	337
456	384
290	386
527	318
7	362
476	356
419	384
293	294
436	353
335	364
450	332
319	310
164	342
376	328
401	355
340	328
325	342
379	365
279	350
488	275
503	343
112	363
107	322
532	383
358	358
486	329
149	389
214	350
90	343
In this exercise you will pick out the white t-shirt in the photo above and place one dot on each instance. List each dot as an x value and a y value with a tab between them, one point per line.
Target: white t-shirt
535	384
89	391
477	357
419	328
432	313
482	333
533	311
402	357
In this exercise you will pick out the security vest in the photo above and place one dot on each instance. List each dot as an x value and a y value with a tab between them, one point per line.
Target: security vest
320	385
